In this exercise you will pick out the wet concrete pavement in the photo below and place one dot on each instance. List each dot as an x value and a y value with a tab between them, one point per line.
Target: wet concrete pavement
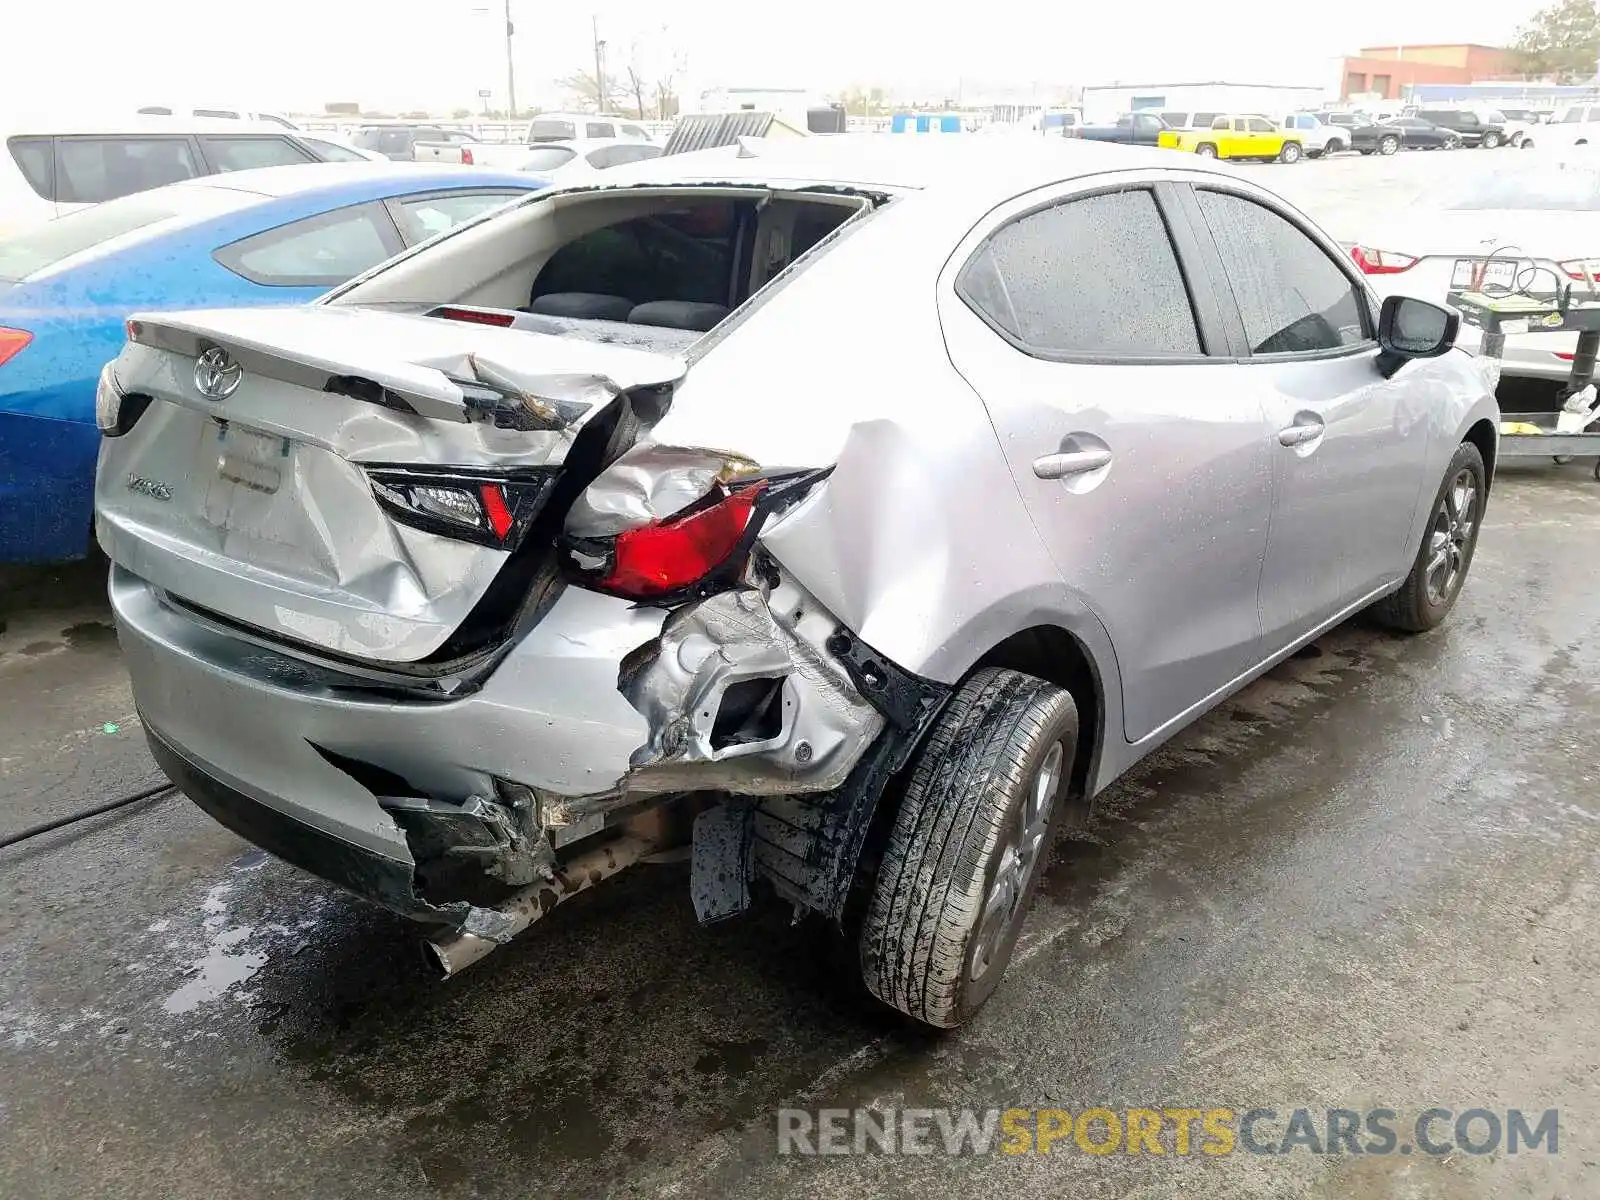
1368	881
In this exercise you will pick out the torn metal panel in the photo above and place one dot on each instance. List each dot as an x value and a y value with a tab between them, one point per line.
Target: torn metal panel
681	681
650	483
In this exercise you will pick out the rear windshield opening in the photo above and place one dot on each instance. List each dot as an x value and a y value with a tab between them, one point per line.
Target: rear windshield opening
551	131
625	266
684	268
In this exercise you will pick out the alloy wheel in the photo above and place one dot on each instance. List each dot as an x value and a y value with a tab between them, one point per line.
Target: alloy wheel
1450	538
1022	848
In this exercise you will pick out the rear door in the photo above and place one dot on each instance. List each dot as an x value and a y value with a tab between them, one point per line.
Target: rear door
1142	458
1347	447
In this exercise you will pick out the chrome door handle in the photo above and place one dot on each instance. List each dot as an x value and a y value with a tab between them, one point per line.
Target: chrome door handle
1299	435
1075	462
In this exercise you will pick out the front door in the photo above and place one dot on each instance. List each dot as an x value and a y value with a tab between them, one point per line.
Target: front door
1141	455
1347	444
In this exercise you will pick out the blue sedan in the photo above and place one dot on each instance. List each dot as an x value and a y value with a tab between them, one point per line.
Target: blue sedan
280	235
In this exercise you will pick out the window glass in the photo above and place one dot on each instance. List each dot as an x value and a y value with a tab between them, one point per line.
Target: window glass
685	255
1175	119
90	169
43	246
548	158
1042	278
368	139
1257	125
35	158
332	151
1203	119
423	216
1291	296
317	251
547	130
635	131
598	129
1219	123
243	153
224	114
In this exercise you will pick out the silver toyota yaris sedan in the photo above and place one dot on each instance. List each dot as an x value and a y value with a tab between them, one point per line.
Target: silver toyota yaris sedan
847	511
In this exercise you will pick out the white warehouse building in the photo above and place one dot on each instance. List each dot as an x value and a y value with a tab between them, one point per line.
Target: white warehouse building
1111	99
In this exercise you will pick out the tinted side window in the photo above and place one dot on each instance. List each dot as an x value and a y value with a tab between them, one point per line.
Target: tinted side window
1257	125
635	131
35	158
1037	280
1292	297
423	216
330	152
319	251
598	129
89	170
1175	119
243	153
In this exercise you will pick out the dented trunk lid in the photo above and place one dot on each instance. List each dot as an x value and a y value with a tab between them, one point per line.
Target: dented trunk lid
255	502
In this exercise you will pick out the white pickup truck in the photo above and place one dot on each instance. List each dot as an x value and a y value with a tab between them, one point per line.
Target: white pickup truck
453	146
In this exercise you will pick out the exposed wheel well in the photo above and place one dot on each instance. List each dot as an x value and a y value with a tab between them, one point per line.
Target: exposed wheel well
1481	435
1054	654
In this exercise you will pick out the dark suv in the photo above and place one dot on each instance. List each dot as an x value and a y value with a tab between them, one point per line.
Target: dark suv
1474	130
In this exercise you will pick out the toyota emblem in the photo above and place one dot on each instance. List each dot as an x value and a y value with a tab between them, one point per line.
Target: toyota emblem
216	374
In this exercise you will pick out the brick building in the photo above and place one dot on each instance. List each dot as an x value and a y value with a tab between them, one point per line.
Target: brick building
1386	71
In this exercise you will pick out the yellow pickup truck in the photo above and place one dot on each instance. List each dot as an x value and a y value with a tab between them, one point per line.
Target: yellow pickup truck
1237	136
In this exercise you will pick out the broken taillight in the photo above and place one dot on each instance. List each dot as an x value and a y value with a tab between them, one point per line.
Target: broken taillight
673	554
489	509
666	523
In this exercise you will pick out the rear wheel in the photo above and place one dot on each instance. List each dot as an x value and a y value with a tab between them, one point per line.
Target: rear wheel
1491	140
1388	144
1526	143
1206	150
1452	143
1444	557
967	846
1290	153
1334	146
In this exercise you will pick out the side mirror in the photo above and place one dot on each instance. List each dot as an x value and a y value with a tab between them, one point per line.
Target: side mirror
1410	328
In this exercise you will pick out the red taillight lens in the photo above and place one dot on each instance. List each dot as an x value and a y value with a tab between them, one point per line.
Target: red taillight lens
11	343
491	512
669	555
1381	262
466	156
475	316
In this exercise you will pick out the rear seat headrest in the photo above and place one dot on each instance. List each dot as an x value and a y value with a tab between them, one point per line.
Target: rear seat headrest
679	314
596	306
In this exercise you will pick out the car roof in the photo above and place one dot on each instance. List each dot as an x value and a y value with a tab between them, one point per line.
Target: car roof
997	167
301	178
120	125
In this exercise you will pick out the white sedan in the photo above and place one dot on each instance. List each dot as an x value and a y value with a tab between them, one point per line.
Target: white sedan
1533	229
575	161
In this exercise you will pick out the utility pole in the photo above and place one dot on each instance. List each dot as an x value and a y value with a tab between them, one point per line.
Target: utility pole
511	70
599	66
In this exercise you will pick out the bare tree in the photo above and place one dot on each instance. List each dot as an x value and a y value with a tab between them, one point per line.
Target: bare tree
581	86
636	88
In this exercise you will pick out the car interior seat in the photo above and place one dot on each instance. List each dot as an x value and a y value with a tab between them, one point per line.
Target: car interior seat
679	314
596	306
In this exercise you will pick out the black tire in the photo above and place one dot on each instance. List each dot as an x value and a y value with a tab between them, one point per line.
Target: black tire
1366	153
1206	150
1388	144
1491	141
968	843
1452	143
1526	144
1334	146
1419	605
1290	153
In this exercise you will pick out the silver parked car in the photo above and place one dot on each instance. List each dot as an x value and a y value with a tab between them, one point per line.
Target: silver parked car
849	510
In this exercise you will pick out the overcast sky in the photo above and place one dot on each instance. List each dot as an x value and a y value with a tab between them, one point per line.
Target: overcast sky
297	54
